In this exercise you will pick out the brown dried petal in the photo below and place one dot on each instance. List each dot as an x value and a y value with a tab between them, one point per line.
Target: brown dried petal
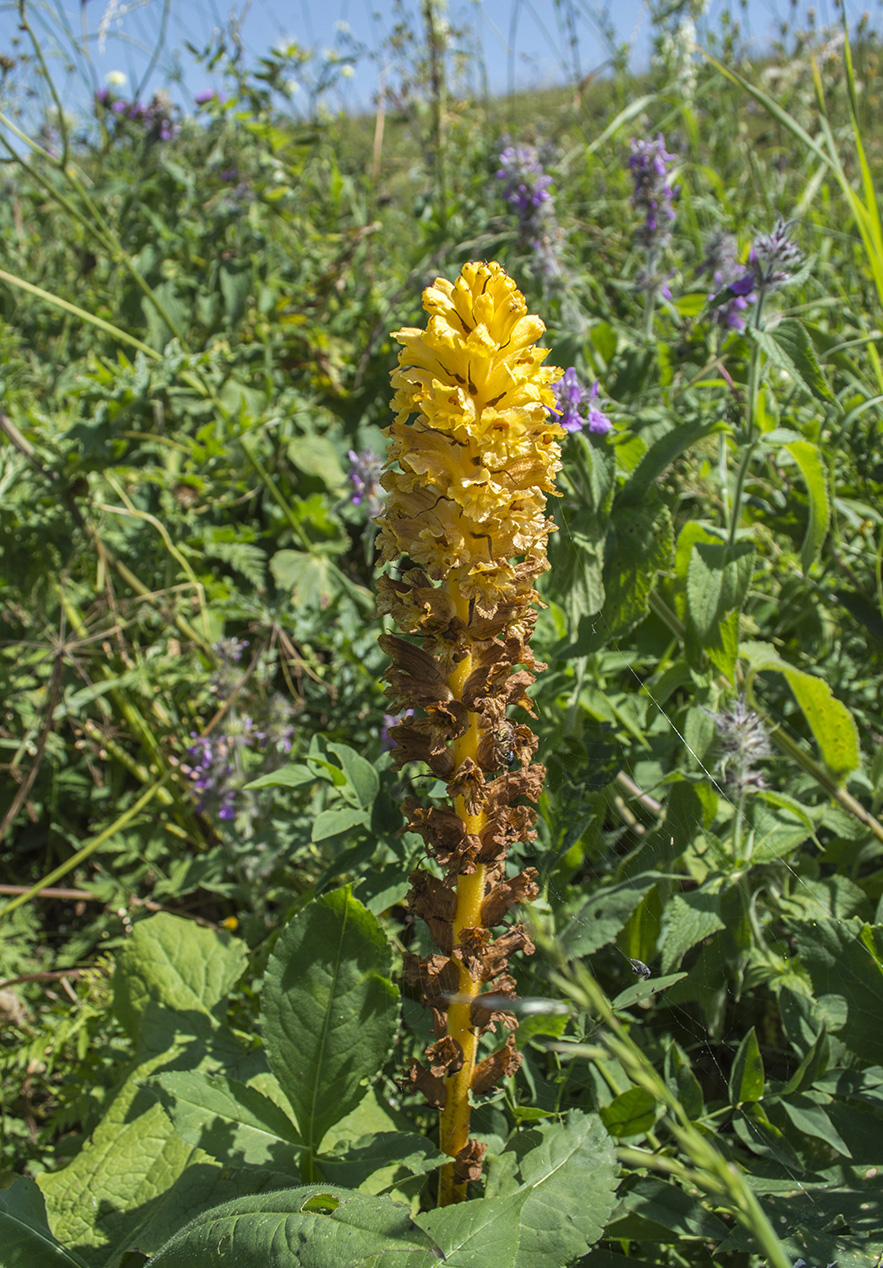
431	897
499	1065
467	1165
445	1057
418	1078
520	889
468	783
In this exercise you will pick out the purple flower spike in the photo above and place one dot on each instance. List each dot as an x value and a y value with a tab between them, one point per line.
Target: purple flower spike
570	397
653	196
364	475
736	283
526	190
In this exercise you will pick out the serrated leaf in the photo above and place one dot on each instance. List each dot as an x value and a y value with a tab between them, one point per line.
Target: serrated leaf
228	1120
662	453
175	966
718	577
25	1237
317	1226
747	1076
563	1215
476	1234
329	1009
690	918
789	346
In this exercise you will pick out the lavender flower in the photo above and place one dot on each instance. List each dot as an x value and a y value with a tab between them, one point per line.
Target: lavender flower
735	283
215	767
653	196
526	190
571	396
364	475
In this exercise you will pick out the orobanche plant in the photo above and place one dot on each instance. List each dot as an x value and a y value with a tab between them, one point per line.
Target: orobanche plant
215	1149
473	456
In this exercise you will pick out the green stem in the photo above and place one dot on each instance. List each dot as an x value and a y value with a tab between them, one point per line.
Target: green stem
751	439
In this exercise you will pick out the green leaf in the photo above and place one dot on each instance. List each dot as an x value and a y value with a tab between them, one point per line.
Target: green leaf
293	776
843	958
632	1113
316	456
810	1119
329	1010
317	1226
718	577
332	823
829	720
235	278
569	1170
175	966
661	454
747	1076
789	346
25	1238
312	579
600	919
384	1156
228	1120
809	460
363	782
658	1211
690	918
476	1234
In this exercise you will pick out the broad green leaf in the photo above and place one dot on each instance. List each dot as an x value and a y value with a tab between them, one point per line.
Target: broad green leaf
293	776
600	919
689	918
379	1162
235	278
330	1010
229	1121
639	543
312	579
363	783
632	1113
317	1226
718	577
316	456
789	346
662	453
332	823
569	1170
809	460
175	966
25	1238
476	1234
747	1076
845	958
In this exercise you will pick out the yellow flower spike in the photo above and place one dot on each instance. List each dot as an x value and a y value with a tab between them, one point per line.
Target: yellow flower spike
473	453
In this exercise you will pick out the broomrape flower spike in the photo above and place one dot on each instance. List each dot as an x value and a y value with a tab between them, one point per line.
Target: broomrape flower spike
472	457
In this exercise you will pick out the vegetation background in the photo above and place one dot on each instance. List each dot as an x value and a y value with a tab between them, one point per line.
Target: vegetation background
194	355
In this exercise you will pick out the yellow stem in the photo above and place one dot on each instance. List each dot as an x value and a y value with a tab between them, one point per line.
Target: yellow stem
454	1132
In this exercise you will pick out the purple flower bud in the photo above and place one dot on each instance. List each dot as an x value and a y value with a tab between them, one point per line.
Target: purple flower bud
364	475
653	196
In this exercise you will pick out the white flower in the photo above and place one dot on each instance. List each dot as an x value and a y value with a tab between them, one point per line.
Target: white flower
115	79
347	72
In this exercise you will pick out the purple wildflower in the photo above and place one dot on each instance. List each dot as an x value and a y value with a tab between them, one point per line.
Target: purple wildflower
571	397
364	475
205	95
653	195
526	190
735	283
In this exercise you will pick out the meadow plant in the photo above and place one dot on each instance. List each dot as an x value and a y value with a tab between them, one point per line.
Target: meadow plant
526	190
473	455
653	197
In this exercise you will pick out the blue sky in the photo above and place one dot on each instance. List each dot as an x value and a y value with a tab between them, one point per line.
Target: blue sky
522	41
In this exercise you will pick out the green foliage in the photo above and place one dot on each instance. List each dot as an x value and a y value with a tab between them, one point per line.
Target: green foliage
200	1027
